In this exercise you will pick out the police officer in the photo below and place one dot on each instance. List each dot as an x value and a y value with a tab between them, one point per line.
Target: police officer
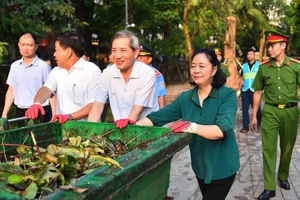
278	78
224	67
146	56
248	74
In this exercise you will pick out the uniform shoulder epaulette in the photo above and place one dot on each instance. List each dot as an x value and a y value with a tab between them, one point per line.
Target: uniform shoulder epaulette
264	62
295	60
157	73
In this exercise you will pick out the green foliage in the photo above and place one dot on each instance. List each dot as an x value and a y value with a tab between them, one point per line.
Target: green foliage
293	20
37	16
3	51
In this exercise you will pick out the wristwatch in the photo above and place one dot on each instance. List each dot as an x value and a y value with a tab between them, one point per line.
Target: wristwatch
70	117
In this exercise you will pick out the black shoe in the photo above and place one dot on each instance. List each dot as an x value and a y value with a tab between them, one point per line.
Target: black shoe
284	184
266	195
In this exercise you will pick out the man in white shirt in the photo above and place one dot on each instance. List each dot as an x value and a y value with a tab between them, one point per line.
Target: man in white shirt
129	84
74	81
26	76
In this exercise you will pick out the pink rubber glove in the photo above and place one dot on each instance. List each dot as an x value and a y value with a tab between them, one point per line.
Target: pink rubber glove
184	126
33	111
61	118
122	123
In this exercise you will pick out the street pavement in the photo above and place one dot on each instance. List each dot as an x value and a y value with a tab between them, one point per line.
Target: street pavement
248	184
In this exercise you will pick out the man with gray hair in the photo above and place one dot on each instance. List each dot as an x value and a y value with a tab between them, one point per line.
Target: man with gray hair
128	83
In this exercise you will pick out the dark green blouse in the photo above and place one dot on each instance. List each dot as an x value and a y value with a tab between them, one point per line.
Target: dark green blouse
211	159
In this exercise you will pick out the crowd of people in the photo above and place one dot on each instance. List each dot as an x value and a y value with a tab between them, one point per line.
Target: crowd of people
135	91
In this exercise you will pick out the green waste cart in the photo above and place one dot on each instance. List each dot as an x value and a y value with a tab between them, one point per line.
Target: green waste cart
146	170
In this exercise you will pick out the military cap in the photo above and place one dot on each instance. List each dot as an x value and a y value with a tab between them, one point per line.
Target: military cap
218	51
145	51
275	36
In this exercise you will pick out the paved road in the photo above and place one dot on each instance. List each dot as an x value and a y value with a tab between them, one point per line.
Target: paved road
249	181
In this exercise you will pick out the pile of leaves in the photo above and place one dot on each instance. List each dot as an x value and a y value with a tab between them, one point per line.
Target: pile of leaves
36	171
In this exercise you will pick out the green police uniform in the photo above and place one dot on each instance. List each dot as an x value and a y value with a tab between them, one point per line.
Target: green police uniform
280	115
211	159
225	70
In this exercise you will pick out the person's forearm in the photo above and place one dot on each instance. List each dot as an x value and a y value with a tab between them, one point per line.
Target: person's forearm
9	99
210	132
83	112
256	101
144	122
53	105
135	112
42	95
95	112
161	102
241	83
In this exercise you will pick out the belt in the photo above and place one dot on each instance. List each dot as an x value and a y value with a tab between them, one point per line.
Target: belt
282	106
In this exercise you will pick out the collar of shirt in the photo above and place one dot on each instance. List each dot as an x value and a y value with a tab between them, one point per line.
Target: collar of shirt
286	62
251	65
78	65
213	93
134	73
34	62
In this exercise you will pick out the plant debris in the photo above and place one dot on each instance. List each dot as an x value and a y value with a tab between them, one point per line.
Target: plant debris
35	171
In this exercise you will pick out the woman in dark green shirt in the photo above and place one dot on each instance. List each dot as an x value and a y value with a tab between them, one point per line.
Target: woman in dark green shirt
208	111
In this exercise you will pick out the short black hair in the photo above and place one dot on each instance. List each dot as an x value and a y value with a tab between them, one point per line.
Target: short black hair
219	78
32	35
252	49
72	40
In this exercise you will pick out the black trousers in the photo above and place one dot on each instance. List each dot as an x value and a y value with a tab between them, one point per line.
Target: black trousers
217	189
20	112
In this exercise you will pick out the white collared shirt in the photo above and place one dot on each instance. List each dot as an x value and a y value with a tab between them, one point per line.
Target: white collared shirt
75	88
138	90
27	80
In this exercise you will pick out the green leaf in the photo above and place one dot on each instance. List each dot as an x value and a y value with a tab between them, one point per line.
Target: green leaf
31	191
6	167
15	179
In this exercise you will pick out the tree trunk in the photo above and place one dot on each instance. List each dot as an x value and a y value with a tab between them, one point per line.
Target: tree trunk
186	31
230	51
262	48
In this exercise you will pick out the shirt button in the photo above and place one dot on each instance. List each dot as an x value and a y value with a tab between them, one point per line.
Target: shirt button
278	69
278	77
278	87
279	97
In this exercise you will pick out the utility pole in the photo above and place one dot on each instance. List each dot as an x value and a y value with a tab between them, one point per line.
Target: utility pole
126	14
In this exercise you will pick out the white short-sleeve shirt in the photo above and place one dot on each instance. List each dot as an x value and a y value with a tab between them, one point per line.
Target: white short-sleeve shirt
27	80
75	88
138	90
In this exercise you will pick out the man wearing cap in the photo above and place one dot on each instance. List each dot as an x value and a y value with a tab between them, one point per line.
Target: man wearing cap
249	70
276	83
146	56
224	67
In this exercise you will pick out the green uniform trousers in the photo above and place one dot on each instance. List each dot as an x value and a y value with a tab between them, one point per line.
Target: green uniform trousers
284	122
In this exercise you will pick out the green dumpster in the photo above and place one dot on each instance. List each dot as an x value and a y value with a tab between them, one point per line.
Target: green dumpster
146	170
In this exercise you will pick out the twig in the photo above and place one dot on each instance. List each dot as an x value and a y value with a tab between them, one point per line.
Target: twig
15	145
25	139
152	138
35	144
4	148
108	132
138	136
